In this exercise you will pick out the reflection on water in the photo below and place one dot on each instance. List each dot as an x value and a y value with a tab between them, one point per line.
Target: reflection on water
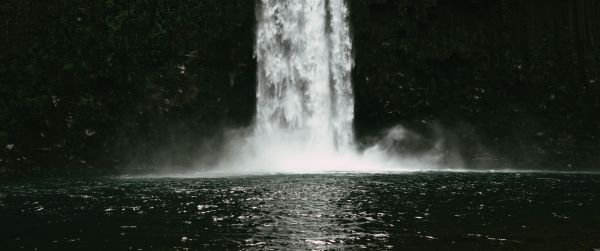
409	211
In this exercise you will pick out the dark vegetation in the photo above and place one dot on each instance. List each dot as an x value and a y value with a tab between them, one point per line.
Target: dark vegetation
99	84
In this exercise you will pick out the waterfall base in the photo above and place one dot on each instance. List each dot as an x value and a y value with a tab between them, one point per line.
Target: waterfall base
291	154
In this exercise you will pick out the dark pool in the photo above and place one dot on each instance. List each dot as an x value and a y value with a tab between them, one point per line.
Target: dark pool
435	210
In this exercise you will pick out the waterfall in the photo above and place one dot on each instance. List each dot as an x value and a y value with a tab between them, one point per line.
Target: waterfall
305	102
304	55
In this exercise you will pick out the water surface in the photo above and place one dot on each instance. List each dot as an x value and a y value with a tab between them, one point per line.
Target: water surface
435	210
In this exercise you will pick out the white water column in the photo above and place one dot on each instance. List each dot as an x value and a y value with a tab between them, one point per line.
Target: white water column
304	55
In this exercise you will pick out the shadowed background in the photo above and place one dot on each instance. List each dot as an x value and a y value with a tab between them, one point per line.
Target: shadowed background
104	84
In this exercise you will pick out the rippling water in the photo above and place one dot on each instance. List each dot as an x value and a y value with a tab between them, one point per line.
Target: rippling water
404	211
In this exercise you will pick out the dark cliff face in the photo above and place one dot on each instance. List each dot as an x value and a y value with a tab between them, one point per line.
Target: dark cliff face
104	83
505	82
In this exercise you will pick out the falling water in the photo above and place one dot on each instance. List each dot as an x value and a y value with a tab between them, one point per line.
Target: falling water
303	49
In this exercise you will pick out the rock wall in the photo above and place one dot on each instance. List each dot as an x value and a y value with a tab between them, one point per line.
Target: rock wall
506	82
103	83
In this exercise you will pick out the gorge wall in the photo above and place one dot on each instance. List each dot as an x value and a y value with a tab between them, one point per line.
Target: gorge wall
102	84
